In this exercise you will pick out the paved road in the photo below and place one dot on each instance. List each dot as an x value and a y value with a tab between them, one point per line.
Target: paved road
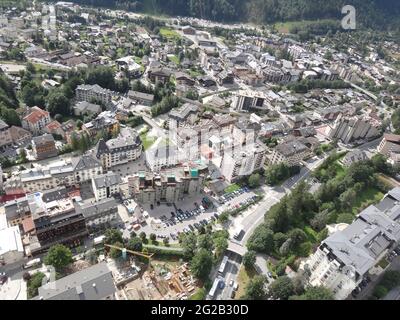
231	271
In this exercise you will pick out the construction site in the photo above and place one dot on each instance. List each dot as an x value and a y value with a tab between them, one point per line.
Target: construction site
152	279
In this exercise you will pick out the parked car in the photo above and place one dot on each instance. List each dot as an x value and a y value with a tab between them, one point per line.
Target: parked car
233	294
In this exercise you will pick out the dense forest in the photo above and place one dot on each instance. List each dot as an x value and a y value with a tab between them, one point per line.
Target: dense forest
370	13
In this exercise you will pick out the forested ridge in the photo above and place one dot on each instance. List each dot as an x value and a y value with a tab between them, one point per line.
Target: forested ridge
370	13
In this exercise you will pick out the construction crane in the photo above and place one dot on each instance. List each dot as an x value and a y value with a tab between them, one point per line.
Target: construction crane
148	256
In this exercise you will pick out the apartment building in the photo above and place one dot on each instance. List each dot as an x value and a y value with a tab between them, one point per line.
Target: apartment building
187	114
92	93
170	186
120	150
44	147
55	222
291	152
346	257
99	215
249	100
242	162
65	173
353	129
106	185
390	147
35	120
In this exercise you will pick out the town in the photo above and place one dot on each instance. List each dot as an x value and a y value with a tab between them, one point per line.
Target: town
175	158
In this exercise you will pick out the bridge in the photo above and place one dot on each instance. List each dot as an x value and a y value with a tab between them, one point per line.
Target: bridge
237	248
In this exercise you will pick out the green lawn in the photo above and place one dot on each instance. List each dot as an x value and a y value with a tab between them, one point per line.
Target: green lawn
243	279
170	34
364	199
174	59
232	188
147	140
200	294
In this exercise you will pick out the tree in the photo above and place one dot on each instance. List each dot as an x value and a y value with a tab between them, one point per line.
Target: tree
113	236
254	180
153	237
57	102
315	293
249	259
345	218
255	289
189	245
380	291
201	264
166	241
142	236
59	256
26	276
282	288
34	283
116	253
204	241
262	240
135	244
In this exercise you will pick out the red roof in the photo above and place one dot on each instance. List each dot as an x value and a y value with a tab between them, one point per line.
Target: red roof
36	115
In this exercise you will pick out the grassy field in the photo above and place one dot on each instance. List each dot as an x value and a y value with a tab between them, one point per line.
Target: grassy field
243	279
174	59
170	34
232	188
285	27
200	294
366	198
147	140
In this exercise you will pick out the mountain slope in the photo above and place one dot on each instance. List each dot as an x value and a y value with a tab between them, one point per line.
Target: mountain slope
370	13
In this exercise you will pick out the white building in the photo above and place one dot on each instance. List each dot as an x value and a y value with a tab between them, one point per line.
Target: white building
345	258
106	185
291	152
11	248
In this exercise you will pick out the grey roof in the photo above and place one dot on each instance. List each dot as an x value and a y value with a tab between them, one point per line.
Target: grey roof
291	148
361	244
85	162
43	139
140	95
93	209
84	106
183	112
355	156
106	180
93	283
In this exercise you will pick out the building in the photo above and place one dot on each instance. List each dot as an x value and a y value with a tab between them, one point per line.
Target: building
390	146
141	98
16	211
169	186
243	162
44	147
99	215
65	173
291	152
86	108
92	93
159	74
56	221
161	156
5	135
187	114
120	150
11	247
35	120
249	100
106	185
353	157
343	259
20	135
354	129
93	283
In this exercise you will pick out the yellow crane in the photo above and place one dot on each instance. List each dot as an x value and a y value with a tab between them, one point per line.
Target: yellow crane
141	254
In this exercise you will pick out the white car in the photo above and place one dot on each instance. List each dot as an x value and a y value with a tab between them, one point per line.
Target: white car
231	283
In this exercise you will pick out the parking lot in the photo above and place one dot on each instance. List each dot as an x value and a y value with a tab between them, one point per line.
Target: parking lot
168	221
